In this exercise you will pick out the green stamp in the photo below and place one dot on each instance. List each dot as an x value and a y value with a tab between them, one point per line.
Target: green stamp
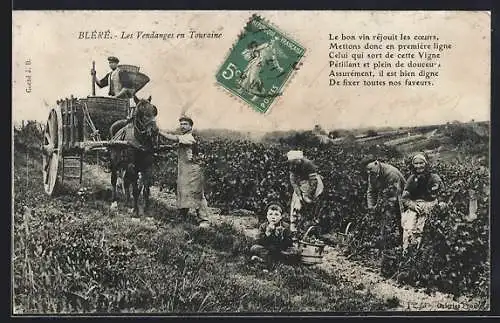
260	64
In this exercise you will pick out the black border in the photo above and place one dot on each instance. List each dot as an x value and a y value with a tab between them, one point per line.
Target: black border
254	5
321	5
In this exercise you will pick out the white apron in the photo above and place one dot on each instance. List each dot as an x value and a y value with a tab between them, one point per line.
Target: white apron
413	224
190	191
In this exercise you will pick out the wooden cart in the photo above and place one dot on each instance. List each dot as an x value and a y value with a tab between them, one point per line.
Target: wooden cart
76	126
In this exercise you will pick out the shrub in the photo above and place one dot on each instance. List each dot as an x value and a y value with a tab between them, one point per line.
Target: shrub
247	175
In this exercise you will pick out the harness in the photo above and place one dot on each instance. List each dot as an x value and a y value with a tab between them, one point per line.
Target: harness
142	127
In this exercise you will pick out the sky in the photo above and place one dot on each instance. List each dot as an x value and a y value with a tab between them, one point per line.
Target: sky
182	71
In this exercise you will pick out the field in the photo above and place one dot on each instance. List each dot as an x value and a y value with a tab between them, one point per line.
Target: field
455	258
73	254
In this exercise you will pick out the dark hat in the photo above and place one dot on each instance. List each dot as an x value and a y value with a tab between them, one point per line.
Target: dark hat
113	59
188	119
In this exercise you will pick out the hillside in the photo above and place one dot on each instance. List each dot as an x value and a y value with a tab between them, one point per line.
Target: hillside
73	254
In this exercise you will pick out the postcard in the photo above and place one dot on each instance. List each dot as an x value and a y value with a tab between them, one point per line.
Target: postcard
173	162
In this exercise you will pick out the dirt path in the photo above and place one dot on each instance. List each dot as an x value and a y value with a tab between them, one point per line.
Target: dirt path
369	280
410	298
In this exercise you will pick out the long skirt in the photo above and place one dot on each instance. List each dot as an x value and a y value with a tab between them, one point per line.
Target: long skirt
413	224
303	208
190	188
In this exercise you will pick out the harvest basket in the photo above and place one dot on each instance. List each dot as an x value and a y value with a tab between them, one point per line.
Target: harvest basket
104	111
138	80
311	251
344	237
129	68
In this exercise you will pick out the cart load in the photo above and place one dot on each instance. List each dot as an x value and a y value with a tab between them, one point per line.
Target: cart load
104	111
78	125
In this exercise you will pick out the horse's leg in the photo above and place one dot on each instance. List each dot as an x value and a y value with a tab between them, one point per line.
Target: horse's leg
132	180
114	178
135	192
126	184
147	178
146	196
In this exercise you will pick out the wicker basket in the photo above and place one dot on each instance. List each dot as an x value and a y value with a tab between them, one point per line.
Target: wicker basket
311	253
129	68
139	80
104	111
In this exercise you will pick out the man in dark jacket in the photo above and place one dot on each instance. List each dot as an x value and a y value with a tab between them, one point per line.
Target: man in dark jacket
385	186
119	84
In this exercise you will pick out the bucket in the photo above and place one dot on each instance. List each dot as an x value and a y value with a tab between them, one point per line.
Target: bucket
311	251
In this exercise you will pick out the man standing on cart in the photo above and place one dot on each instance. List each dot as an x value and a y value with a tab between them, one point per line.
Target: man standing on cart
120	85
117	81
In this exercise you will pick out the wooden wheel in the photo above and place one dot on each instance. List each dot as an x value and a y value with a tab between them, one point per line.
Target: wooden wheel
52	150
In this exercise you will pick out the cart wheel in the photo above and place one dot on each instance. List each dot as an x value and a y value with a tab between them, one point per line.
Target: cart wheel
52	150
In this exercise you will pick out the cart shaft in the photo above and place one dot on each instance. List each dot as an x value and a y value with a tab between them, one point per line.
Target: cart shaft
102	143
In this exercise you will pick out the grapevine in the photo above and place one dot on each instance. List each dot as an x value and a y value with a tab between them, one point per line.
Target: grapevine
243	174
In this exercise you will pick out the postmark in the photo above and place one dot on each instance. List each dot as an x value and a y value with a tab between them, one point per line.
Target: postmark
260	64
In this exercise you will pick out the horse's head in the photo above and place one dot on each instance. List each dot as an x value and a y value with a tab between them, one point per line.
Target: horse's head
145	116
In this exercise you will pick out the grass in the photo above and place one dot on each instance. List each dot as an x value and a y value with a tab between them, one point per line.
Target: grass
72	255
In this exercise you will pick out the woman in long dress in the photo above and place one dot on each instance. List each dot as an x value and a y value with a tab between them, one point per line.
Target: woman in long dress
307	186
419	198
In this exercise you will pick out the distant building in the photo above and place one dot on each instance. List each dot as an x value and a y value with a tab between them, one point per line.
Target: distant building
333	134
318	130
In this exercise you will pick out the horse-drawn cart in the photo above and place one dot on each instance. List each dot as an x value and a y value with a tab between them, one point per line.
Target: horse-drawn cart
76	126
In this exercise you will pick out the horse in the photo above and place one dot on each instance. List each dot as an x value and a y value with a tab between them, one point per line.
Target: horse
135	161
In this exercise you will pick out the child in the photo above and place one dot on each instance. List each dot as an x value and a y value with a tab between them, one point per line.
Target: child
274	239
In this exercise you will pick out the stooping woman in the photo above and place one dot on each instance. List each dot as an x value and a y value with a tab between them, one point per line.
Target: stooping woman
307	187
419	198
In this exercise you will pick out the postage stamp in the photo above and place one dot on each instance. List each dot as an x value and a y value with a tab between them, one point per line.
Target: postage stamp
260	64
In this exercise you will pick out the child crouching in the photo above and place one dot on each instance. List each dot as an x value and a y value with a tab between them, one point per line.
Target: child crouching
274	240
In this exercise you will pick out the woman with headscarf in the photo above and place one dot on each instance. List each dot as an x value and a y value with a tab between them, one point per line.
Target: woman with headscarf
307	186
419	198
